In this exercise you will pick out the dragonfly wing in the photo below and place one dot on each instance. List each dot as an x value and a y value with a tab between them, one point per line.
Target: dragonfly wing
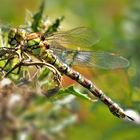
66	56
5	53
97	59
56	46
81	38
104	60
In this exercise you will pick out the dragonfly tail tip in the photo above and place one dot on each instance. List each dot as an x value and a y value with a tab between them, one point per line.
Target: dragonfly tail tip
130	118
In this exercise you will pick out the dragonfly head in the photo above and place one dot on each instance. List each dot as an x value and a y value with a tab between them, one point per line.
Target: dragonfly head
15	36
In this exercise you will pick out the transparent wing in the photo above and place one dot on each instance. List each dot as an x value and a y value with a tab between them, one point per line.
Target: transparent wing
6	52
81	38
102	60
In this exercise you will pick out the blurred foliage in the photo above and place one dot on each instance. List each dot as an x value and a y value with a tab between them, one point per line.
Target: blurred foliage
117	22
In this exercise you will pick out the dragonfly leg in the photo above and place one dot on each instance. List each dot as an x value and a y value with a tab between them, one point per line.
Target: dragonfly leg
18	65
28	58
41	62
58	77
57	74
2	69
7	62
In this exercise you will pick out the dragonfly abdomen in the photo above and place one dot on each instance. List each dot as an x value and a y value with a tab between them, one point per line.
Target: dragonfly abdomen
113	107
65	69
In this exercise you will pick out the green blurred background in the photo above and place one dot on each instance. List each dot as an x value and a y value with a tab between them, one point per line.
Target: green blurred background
118	24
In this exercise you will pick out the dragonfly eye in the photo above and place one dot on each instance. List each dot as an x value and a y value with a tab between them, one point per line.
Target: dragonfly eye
13	42
15	36
11	36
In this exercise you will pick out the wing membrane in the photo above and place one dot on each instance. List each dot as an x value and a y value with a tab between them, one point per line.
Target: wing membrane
81	37
6	52
103	60
97	59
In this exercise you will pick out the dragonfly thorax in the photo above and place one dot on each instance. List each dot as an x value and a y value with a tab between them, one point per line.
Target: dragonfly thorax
16	36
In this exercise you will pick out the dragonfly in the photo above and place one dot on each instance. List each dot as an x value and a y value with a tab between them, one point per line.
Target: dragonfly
62	49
